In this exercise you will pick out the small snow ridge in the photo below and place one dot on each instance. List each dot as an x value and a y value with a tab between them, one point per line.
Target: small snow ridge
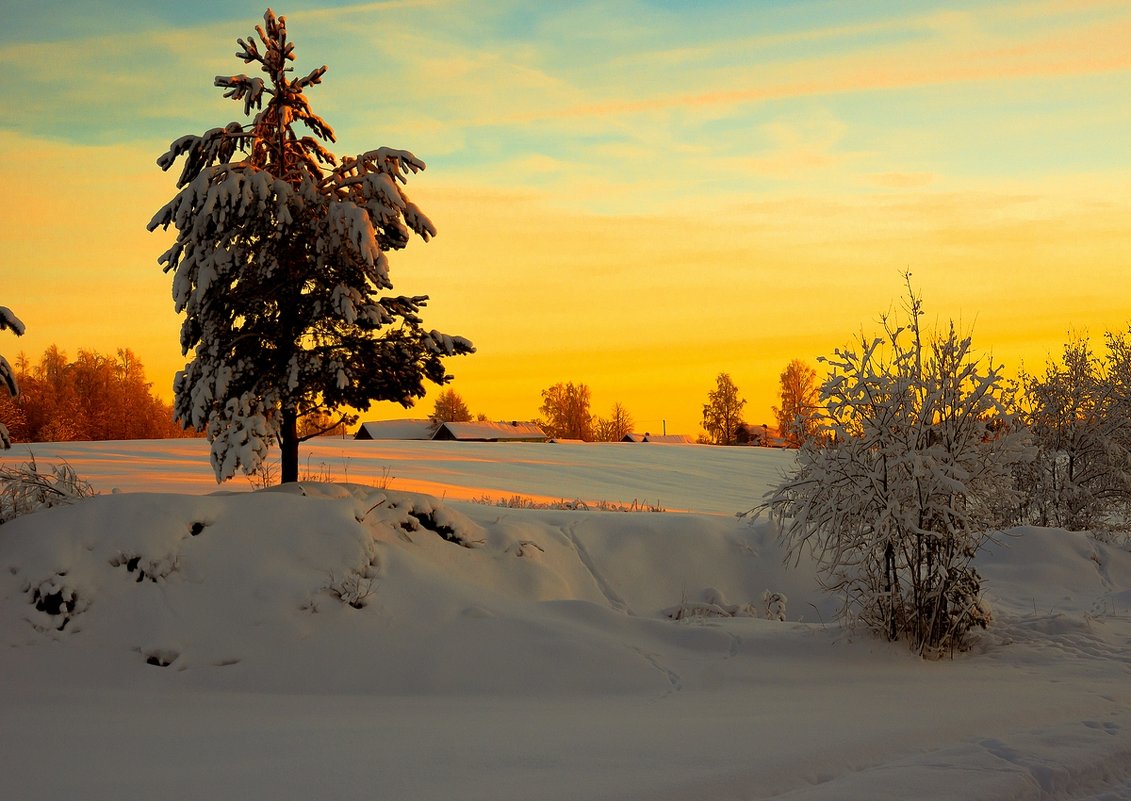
673	678
615	600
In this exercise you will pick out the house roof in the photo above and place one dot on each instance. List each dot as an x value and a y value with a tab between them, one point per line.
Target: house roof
669	439
395	429
483	430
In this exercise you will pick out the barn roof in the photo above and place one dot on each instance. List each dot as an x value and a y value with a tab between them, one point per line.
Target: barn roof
396	429
491	432
669	439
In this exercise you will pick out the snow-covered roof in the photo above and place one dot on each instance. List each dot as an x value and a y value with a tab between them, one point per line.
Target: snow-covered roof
669	439
420	428
491	432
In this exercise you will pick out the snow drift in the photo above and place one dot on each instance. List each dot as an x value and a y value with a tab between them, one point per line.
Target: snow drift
350	641
371	588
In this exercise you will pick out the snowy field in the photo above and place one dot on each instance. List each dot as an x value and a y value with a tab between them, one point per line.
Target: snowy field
362	640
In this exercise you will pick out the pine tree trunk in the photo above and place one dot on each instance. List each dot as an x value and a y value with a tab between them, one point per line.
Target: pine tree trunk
288	447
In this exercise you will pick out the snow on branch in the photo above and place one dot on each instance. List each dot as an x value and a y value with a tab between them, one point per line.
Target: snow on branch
216	146
314	78
8	376
447	345
249	51
419	222
10	321
302	111
395	162
241	87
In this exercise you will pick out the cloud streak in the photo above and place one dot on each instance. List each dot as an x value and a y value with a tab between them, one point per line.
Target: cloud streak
1088	50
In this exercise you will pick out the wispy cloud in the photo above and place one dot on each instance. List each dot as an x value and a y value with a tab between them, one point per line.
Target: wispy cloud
959	52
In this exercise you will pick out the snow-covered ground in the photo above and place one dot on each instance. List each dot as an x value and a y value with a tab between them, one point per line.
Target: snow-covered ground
365	641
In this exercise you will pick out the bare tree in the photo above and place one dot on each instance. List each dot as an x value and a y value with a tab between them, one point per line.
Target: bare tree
93	397
723	411
616	426
449	408
565	412
799	414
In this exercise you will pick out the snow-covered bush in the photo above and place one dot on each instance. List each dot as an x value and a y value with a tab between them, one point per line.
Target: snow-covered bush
711	603
24	489
1079	413
775	603
278	266
913	473
353	590
7	376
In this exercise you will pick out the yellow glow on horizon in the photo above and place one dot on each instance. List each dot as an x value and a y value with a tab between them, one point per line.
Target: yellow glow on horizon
646	215
647	310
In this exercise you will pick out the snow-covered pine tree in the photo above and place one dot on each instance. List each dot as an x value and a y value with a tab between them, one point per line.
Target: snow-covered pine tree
279	264
914	472
7	375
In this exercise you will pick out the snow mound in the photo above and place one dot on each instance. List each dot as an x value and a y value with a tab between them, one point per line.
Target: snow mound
365	587
297	642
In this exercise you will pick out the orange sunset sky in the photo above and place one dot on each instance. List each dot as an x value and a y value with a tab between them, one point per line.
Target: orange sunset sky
633	195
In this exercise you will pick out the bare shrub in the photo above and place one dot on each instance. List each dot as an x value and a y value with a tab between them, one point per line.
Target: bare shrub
24	489
562	504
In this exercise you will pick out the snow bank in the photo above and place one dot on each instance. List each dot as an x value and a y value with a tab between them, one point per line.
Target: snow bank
357	642
372	588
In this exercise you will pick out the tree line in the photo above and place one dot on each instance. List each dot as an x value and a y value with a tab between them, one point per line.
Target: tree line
92	397
797	417
565	413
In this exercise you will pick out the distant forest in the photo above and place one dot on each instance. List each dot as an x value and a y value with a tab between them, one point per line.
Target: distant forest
94	397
